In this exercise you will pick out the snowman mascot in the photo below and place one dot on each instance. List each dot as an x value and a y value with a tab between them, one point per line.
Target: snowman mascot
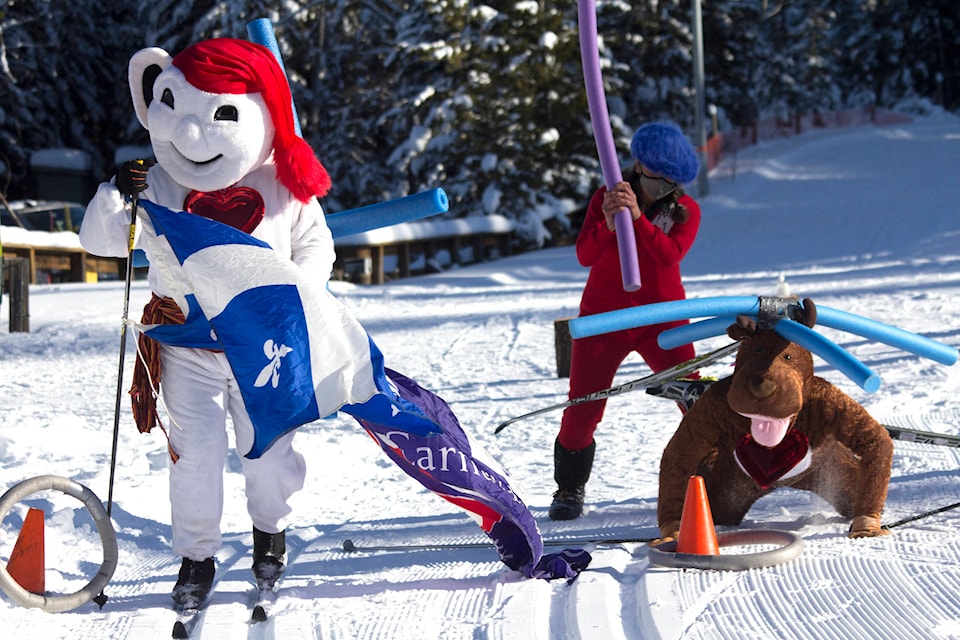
221	125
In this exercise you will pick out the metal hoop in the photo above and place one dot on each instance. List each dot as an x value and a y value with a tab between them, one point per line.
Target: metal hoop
108	538
791	545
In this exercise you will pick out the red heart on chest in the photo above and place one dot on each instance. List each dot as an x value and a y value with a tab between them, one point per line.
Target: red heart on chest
766	465
239	207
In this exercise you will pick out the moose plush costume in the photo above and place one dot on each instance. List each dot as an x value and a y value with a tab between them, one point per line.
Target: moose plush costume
774	424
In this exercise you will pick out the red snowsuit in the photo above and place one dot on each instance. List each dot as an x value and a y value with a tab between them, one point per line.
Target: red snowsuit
594	361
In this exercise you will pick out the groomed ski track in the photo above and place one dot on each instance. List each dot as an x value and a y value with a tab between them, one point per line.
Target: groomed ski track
901	586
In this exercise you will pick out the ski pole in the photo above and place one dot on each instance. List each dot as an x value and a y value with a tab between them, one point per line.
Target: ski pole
925	514
123	348
680	390
101	598
652	380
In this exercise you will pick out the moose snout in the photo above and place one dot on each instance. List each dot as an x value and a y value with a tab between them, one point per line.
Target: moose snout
761	387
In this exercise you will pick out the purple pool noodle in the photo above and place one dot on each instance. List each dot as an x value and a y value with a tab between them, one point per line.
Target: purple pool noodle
602	133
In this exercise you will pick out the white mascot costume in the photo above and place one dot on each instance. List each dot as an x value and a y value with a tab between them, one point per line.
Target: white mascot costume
221	126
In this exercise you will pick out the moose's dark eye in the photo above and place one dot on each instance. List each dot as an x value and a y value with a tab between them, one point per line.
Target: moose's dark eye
226	112
167	98
788	357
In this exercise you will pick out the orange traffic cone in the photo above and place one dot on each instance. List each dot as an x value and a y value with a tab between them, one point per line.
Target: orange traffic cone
26	564
697	534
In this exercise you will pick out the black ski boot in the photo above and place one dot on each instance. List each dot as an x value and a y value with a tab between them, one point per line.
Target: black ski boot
269	551
194	583
571	470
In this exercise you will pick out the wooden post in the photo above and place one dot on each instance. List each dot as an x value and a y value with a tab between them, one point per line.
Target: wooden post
376	254
562	343
16	273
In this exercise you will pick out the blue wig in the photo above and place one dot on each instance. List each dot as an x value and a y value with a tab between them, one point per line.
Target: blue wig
662	147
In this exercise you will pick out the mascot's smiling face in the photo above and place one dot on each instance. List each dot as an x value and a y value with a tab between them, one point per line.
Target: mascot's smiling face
205	141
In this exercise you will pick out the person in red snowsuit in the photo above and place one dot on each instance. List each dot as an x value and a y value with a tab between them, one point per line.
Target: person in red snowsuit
665	222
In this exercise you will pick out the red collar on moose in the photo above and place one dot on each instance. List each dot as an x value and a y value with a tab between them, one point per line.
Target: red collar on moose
239	207
766	465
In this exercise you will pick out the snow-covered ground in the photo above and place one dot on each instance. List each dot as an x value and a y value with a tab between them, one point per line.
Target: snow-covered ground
864	220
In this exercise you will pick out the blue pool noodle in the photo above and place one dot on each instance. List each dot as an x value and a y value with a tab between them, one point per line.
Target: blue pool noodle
695	331
587	326
788	329
385	214
873	330
260	31
840	358
374	216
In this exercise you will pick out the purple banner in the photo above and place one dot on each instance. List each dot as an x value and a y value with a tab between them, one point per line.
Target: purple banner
446	465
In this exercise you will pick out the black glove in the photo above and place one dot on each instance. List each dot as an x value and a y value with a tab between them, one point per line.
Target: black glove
132	176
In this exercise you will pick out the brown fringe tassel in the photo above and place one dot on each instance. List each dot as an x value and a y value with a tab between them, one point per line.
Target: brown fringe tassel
157	311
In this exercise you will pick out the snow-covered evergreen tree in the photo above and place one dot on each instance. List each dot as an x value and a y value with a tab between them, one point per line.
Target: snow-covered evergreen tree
62	82
484	99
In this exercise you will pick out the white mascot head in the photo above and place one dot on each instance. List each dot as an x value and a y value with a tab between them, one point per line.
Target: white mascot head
217	111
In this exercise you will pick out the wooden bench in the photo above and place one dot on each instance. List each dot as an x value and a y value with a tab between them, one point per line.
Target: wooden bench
74	261
414	248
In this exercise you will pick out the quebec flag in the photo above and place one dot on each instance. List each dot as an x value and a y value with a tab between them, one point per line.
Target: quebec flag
297	355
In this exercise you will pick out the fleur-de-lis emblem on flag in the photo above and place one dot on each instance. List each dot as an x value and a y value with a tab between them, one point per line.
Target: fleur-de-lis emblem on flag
271	372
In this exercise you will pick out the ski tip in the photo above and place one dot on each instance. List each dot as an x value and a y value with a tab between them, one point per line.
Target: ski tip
179	630
502	426
348	545
259	614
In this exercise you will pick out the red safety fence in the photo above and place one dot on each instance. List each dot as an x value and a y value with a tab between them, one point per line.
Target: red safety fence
775	128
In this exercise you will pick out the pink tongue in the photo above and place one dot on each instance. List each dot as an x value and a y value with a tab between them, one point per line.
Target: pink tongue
767	431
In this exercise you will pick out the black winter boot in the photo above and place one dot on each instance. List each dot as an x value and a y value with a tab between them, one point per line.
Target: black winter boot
269	551
194	582
571	470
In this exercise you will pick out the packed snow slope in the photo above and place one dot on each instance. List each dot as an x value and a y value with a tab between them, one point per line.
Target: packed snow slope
864	220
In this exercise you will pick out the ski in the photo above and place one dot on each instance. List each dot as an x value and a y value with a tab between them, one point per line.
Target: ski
922	437
600	541
190	605
188	619
266	596
351	547
682	390
673	373
260	610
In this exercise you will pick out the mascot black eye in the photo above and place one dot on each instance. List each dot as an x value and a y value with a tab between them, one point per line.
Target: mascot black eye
167	98
226	112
